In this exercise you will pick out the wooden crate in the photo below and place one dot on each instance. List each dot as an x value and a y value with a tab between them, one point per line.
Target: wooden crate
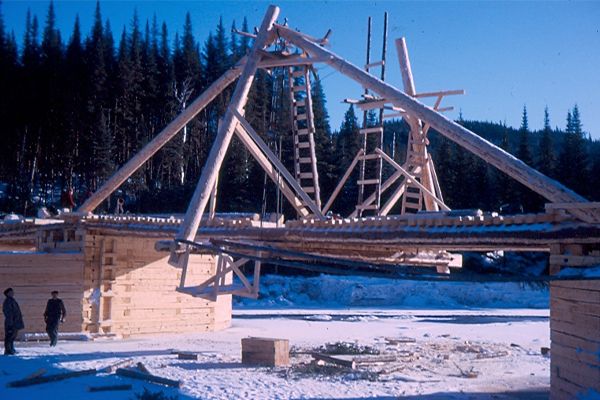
265	351
575	336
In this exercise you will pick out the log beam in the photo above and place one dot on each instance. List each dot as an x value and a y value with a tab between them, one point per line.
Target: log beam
217	153
273	166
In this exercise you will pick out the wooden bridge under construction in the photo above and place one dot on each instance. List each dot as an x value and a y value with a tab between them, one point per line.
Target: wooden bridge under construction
118	258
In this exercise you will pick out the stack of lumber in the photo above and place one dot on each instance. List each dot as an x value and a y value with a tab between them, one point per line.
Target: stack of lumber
33	275
575	335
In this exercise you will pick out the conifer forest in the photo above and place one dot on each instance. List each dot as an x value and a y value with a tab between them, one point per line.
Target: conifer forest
77	105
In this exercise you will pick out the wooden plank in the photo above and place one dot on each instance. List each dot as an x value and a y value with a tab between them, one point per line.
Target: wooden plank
247	134
438	93
580	285
413	181
576	355
50	378
127	373
342	181
35	374
118	364
569	340
565	306
334	360
575	294
109	388
569	206
576	319
580	330
186	355
566	260
576	372
564	386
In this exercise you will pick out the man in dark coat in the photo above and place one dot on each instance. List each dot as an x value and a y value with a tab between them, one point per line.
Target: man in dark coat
13	321
55	314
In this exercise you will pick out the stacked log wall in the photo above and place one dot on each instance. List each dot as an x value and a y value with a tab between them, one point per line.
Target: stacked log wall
117	284
131	289
575	335
33	275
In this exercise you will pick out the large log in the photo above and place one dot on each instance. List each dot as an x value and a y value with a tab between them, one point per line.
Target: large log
490	153
217	153
128	373
248	135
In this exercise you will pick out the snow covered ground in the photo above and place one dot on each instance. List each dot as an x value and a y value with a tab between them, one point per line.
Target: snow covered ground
218	374
465	346
340	291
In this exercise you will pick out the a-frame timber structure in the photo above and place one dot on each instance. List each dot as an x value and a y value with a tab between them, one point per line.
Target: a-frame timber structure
414	183
115	255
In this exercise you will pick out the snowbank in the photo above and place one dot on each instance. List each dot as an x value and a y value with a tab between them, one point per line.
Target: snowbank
335	291
580	272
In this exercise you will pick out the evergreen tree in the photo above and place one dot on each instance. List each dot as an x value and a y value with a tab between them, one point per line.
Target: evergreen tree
547	159
527	198
447	174
325	150
189	82
9	82
244	45
505	186
523	152
51	87
572	161
97	103
347	146
233	44
74	100
30	120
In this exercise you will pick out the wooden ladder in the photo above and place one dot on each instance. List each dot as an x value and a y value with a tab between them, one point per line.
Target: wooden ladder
303	127
371	166
106	278
416	157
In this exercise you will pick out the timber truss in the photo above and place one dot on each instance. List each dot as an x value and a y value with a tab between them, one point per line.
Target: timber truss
414	182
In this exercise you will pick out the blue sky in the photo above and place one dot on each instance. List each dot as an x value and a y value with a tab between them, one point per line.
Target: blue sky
504	54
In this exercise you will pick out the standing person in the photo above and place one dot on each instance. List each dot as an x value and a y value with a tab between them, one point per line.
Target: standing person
55	314
119	208
67	200
13	321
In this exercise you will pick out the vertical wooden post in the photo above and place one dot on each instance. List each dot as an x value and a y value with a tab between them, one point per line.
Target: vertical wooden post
417	132
213	164
213	200
405	69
